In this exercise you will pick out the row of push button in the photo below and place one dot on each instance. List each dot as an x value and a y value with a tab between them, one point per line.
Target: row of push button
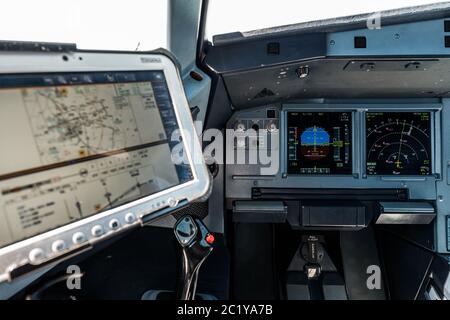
78	238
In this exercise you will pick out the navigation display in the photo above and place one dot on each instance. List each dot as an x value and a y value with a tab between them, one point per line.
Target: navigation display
73	145
319	142
398	143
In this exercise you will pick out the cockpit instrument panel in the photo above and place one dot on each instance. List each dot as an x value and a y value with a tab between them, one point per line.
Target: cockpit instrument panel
399	143
319	142
89	153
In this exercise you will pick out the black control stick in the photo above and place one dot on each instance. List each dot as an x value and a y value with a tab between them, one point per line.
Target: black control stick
196	243
313	254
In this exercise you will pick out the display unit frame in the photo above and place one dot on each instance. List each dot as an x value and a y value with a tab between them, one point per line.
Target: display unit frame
359	153
435	139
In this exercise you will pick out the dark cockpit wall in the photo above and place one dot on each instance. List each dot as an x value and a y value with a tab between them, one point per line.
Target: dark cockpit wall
334	66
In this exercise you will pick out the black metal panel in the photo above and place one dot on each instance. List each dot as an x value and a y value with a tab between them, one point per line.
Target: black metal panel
258	53
406	266
253	274
359	252
219	106
333	78
329	194
348	214
421	235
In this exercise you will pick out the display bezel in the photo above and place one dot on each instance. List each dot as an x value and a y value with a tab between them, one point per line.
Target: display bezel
435	133
359	154
151	207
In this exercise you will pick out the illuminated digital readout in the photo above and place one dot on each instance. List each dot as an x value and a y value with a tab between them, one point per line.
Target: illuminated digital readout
319	142
398	143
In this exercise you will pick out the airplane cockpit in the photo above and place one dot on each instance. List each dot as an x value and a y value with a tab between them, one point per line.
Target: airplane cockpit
258	151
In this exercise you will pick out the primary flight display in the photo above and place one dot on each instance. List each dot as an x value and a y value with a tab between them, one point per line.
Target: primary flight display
319	142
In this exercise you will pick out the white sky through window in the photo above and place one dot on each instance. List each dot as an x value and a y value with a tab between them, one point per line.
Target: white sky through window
142	24
226	16
91	24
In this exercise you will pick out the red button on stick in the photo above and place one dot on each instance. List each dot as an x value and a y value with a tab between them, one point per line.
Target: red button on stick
210	238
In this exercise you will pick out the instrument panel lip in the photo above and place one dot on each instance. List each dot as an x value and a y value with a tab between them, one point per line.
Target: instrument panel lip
359	156
15	255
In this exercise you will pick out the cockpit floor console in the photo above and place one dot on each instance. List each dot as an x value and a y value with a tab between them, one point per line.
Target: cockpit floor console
360	260
312	275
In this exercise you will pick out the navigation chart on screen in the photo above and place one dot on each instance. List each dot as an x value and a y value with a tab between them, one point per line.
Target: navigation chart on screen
79	149
77	121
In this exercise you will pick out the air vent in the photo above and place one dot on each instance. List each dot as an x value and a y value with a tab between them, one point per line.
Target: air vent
273	48
271	114
360	42
447	26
